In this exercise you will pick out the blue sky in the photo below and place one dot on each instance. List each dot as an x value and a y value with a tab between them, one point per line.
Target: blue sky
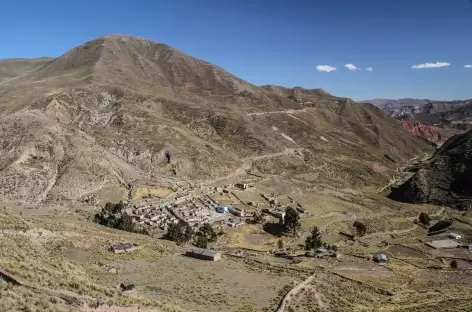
274	41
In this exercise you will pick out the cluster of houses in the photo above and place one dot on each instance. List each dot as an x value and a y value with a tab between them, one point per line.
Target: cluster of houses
194	210
197	208
195	213
154	216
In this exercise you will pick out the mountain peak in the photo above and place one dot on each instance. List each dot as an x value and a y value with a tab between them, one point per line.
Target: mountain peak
139	63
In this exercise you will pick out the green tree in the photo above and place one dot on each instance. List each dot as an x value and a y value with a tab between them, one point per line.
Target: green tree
114	208
314	240
454	264
360	228
125	223
188	232
207	231
292	221
180	232
424	219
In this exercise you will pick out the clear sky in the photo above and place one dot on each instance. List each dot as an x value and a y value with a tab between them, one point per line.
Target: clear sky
275	41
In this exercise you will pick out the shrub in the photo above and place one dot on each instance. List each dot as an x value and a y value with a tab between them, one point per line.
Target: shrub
361	228
280	244
201	242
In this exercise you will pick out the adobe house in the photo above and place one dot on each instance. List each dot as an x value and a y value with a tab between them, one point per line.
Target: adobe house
203	254
123	247
242	186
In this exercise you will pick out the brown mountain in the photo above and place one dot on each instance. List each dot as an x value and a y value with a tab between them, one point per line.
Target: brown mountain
446	179
459	118
120	109
411	108
12	68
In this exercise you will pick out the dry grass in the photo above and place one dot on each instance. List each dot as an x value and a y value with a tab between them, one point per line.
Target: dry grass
153	191
36	254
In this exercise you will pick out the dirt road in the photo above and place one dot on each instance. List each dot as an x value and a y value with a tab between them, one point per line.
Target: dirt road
294	291
290	111
247	164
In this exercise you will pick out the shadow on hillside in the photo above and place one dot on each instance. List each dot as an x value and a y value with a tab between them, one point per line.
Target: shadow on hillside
276	229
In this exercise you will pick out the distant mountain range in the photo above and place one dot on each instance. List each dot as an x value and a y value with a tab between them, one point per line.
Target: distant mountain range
407	108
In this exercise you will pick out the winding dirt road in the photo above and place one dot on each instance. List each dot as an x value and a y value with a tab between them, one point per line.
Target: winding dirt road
294	291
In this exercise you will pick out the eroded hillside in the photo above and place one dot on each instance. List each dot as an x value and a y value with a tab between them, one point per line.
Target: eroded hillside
112	110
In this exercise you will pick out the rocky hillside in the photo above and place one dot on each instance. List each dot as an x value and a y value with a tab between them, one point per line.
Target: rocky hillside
435	121
120	109
410	108
460	118
12	68
446	179
399	108
431	133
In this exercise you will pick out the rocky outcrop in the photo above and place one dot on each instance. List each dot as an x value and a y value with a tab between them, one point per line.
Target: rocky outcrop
430	133
446	179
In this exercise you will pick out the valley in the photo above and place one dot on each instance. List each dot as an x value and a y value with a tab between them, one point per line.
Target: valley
119	156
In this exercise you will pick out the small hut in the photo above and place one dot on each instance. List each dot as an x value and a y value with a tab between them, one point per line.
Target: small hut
381	258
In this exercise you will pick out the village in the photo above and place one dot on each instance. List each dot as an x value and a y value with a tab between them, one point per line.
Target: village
222	207
232	205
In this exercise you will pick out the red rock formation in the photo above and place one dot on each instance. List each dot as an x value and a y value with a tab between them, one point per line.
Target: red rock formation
431	133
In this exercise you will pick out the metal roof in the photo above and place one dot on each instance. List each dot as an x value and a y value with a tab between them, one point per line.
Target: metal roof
203	252
381	256
122	246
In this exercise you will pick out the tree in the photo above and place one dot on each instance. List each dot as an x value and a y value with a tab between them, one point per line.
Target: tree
314	240
180	232
188	232
361	229
201	242
114	208
292	221
114	216
454	264
125	223
424	219
207	231
280	244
